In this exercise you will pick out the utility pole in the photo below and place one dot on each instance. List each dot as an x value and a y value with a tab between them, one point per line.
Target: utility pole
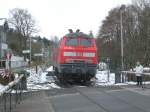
108	69
30	50
122	8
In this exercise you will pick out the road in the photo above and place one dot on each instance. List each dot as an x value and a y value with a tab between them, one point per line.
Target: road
89	99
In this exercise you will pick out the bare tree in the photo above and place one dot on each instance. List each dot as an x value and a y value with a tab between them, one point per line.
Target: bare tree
136	34
23	23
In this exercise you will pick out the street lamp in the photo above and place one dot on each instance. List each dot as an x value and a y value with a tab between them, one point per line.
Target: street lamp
122	8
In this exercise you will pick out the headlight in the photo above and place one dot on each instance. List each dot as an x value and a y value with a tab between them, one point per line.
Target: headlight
87	54
69	53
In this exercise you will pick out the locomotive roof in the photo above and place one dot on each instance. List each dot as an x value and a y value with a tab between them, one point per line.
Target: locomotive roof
77	34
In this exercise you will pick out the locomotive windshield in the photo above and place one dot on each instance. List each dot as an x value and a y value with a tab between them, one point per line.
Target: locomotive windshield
72	42
85	42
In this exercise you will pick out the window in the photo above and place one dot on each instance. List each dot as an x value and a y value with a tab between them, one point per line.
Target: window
72	42
2	64
85	42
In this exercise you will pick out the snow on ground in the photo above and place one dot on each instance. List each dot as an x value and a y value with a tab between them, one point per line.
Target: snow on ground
50	69
105	78
40	80
1	87
147	69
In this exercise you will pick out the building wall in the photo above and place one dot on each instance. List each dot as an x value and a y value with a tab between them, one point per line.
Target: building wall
3	45
17	61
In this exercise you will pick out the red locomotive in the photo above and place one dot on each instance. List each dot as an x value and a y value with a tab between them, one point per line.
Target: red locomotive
75	57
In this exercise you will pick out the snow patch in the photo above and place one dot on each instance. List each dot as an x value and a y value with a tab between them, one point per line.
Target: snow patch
1	87
43	77
53	85
105	78
147	69
40	80
50	69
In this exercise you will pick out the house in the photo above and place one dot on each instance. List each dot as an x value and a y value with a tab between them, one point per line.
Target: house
3	44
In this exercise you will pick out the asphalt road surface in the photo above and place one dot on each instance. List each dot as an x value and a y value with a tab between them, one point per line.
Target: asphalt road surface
89	99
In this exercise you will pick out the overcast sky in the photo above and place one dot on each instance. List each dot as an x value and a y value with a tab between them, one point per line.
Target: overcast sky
55	17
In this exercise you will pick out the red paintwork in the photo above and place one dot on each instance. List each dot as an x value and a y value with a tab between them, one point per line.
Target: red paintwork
59	58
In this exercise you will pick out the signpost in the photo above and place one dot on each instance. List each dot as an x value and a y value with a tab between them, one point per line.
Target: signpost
38	54
26	51
4	46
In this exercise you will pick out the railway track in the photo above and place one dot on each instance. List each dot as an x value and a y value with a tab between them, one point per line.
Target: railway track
91	100
98	99
93	95
78	97
69	84
73	88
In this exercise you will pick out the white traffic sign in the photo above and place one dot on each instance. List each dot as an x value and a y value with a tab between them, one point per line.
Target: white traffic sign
26	51
38	54
4	46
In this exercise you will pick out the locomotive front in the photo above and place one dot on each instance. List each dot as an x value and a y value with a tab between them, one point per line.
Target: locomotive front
76	57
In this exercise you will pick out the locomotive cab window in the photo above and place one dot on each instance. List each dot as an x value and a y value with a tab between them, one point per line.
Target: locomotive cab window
85	42
71	42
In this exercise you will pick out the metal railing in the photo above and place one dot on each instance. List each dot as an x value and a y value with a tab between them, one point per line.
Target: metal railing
11	95
127	74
